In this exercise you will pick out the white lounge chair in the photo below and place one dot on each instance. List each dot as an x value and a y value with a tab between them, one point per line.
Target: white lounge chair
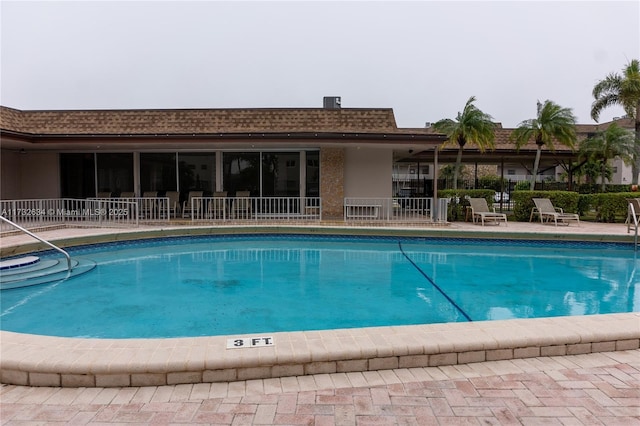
546	211
480	210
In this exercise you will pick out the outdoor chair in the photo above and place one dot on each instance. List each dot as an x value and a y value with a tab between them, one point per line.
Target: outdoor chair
174	202
633	213
188	207
480	211
547	212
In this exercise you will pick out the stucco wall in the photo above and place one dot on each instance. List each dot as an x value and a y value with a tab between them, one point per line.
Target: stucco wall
331	182
30	175
40	174
368	172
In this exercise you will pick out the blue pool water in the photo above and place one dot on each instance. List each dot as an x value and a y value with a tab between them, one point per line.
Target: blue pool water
225	285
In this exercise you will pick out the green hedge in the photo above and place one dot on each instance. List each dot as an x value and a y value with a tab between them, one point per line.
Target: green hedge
459	200
607	207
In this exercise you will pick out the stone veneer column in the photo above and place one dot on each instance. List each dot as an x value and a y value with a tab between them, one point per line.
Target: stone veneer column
332	183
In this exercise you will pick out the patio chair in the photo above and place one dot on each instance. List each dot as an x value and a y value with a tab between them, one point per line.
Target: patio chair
242	205
218	206
546	211
174	202
480	211
188	206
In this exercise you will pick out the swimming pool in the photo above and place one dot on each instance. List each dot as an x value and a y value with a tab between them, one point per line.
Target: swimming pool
225	285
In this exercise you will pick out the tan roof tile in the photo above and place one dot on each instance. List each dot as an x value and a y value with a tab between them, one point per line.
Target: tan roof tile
189	121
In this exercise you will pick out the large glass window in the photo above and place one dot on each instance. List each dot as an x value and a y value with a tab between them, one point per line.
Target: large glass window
280	174
313	174
77	175
197	172
158	172
241	172
115	173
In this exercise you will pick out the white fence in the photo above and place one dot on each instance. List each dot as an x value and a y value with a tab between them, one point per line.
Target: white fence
253	209
395	209
128	212
124	212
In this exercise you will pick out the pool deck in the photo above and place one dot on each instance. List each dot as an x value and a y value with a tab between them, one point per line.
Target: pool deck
324	365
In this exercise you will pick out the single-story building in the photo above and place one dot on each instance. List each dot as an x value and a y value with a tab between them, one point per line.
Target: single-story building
331	153
328	152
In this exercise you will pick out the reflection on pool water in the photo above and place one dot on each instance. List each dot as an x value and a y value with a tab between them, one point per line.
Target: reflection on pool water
222	285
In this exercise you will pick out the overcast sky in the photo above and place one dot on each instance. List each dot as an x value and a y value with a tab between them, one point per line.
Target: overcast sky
424	59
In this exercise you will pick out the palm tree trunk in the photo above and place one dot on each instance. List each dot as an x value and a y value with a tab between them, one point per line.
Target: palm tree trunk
603	172
456	171
635	167
536	163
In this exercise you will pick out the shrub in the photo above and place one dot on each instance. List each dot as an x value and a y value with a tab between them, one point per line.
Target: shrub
608	206
492	182
523	185
592	188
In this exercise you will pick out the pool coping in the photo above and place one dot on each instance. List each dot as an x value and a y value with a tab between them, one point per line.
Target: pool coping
34	360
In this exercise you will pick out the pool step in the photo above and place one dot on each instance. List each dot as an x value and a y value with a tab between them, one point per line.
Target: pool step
19	262
31	267
29	273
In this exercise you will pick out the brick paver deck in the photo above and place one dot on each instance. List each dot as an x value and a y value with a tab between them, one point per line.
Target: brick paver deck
590	389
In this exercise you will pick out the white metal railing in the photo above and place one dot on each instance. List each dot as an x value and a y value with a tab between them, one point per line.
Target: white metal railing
55	211
633	214
254	208
128	212
42	240
395	209
150	208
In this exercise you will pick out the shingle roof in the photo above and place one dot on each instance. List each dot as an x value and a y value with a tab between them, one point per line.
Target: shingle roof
199	121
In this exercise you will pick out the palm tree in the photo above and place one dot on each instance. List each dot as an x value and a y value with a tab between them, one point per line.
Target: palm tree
553	124
622	90
605	145
470	126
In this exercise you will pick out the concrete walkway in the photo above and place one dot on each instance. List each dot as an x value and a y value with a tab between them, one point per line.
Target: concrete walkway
589	389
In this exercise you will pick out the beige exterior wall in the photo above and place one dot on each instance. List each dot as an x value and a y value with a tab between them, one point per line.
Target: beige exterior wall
31	175
40	174
368	173
332	182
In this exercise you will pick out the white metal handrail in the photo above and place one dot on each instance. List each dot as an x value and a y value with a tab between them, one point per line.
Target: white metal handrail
42	240
632	216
